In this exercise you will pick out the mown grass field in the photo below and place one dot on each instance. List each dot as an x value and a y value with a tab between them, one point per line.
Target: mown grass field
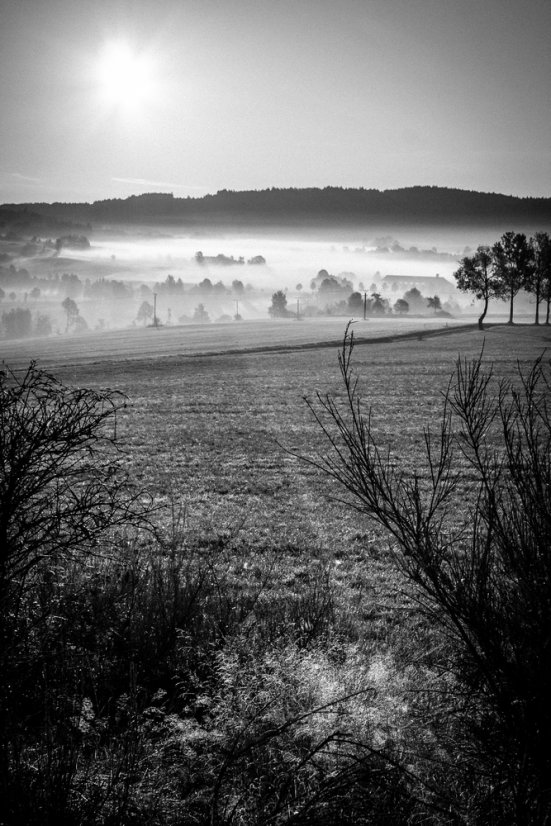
208	339
215	419
259	658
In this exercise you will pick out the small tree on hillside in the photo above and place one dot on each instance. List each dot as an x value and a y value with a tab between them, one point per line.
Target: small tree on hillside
356	303
513	265
434	303
321	276
401	307
145	312
278	308
376	304
72	311
329	285
415	300
201	315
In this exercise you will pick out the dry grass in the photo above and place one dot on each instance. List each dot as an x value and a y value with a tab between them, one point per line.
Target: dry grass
266	600
175	342
212	436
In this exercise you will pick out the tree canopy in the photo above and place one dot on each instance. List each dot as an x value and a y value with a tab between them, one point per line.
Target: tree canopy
278	308
512	264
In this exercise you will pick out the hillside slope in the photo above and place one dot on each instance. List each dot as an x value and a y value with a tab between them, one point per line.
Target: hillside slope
303	207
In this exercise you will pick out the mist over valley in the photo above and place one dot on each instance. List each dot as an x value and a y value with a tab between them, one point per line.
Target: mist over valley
120	272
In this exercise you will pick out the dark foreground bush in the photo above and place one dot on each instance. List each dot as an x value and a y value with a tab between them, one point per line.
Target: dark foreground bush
154	688
63	493
472	532
62	481
158	676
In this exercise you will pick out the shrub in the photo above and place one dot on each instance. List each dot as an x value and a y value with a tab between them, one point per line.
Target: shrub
200	314
62	480
484	578
63	490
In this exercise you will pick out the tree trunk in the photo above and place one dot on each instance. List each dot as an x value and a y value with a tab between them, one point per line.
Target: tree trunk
511	307
538	299
483	316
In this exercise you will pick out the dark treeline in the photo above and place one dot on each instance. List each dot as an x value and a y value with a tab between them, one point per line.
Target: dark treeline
512	264
412	205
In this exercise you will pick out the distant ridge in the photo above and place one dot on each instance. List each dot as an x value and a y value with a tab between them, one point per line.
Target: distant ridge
304	207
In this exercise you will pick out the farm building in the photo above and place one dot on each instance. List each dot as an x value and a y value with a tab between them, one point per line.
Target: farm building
427	285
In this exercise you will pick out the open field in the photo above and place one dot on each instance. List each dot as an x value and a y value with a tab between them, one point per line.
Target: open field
202	658
211	434
175	342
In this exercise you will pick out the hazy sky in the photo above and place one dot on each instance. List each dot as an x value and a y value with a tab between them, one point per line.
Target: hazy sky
108	99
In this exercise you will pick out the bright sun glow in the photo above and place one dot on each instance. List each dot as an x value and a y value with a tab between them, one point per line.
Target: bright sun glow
125	77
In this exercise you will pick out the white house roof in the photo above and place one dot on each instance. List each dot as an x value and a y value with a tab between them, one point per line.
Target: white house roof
425	284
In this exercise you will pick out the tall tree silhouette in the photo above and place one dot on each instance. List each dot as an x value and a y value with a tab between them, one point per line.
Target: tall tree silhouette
540	277
513	265
476	275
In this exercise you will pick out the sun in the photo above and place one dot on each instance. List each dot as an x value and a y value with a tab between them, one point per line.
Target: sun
125	77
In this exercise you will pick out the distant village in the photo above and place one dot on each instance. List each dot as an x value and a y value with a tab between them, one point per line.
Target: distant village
41	295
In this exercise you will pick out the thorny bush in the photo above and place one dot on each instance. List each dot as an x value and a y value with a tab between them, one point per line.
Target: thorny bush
471	531
62	481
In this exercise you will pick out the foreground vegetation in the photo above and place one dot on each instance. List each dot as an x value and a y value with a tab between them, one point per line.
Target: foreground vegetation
250	653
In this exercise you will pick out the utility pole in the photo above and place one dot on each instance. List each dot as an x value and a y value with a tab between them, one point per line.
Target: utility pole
298	308
365	306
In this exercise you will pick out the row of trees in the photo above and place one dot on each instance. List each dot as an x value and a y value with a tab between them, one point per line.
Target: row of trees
75	321
513	263
146	316
20	323
67	284
227	260
173	286
357	304
70	285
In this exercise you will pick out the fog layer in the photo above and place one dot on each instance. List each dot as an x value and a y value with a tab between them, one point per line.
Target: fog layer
123	277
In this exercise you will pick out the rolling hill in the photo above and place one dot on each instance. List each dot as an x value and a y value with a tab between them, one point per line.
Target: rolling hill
420	205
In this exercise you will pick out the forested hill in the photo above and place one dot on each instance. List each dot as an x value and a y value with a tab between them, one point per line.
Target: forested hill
292	207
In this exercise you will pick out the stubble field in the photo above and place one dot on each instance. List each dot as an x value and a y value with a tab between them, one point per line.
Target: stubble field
263	660
214	437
